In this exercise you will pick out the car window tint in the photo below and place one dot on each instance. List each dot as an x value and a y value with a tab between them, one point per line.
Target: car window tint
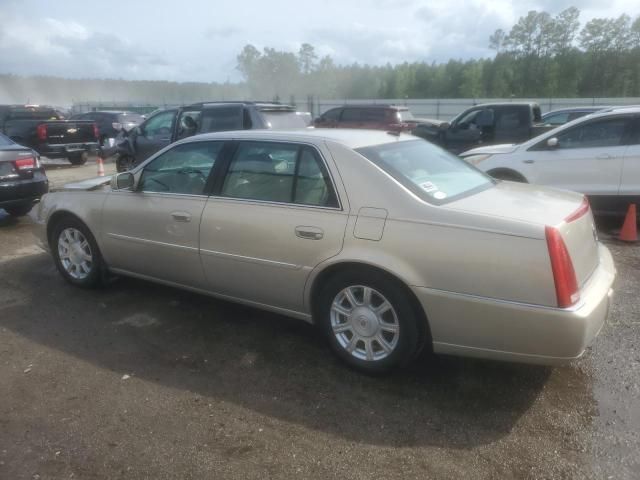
469	118
262	171
221	119
557	119
429	172
159	126
602	133
352	115
313	186
372	115
278	172
183	169
188	123
333	114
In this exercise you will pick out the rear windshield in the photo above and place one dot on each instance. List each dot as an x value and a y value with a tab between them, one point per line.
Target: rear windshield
280	120
130	118
431	173
32	113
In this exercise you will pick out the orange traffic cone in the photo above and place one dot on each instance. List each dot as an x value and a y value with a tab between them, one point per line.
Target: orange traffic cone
629	232
100	167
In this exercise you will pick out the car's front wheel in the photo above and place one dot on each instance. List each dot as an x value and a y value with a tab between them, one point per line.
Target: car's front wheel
76	253
369	321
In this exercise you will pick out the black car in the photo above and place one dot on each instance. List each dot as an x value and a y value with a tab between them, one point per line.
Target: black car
45	130
111	123
167	126
22	178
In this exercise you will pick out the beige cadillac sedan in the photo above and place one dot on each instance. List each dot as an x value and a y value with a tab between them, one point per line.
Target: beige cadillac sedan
386	242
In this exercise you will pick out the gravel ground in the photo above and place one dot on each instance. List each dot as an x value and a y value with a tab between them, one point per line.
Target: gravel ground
142	381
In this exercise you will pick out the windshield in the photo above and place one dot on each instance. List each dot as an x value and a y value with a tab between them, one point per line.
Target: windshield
431	173
284	120
130	118
405	115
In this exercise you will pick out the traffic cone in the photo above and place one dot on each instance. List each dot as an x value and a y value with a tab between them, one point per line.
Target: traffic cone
629	232
100	166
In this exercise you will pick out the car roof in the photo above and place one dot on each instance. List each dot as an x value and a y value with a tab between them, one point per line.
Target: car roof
351	138
577	109
373	105
257	104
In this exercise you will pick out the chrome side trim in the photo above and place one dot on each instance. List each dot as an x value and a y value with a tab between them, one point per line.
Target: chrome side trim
573	308
242	258
275	204
283	311
150	242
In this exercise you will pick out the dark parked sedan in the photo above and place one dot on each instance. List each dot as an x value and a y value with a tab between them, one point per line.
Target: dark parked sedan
111	123
22	178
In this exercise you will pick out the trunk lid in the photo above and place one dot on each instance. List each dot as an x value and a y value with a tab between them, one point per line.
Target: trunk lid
560	209
61	132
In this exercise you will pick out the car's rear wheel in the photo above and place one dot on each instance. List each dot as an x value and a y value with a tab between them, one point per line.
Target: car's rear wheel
79	158
19	211
76	253
125	163
369	321
508	175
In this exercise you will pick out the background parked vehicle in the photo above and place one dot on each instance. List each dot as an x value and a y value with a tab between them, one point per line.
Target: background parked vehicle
22	178
560	117
44	130
167	126
111	123
307	224
598	155
376	117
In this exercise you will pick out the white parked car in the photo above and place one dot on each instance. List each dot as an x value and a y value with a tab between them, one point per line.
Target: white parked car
598	155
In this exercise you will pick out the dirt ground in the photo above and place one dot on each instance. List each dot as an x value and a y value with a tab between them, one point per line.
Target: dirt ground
140	381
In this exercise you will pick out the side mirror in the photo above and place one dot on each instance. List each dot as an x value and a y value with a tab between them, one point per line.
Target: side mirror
444	126
552	142
123	181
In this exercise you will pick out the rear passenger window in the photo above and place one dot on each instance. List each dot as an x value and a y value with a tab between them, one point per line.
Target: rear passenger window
278	172
352	115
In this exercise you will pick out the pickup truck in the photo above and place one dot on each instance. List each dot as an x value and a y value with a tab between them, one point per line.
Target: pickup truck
45	130
167	126
486	124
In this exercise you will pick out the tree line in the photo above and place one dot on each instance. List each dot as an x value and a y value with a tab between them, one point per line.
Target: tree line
540	56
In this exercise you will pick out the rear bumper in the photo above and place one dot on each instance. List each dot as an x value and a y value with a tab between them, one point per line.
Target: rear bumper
500	330
66	150
23	191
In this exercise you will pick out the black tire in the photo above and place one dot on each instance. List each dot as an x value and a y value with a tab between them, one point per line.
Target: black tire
411	336
125	163
508	175
79	158
96	274
19	211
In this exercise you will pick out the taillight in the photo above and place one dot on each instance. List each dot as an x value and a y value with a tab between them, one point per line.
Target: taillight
564	275
41	131
582	210
26	163
96	132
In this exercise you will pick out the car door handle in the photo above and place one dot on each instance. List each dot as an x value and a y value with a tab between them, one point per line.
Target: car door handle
181	216
604	156
309	233
528	161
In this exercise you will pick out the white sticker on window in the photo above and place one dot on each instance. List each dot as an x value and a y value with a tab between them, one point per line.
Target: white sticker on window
428	187
440	195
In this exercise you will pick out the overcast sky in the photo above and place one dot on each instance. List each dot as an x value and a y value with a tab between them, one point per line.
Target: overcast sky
198	40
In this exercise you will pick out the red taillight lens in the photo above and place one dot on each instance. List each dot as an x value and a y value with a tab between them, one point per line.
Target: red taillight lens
582	210
96	133
564	275
26	163
41	131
